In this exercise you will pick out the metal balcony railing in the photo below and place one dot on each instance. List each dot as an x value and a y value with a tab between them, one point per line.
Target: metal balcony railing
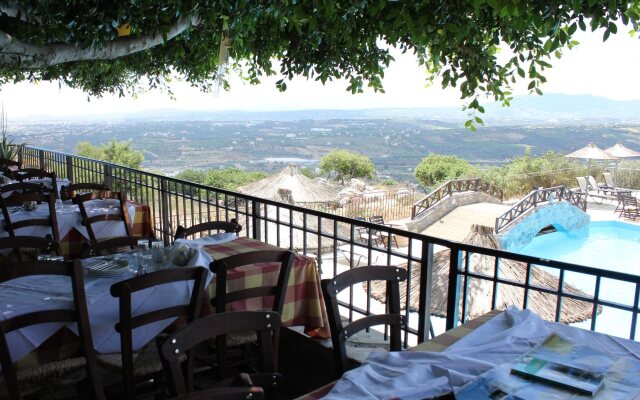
336	243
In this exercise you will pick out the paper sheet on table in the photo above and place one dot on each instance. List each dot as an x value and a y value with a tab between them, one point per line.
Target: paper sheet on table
419	375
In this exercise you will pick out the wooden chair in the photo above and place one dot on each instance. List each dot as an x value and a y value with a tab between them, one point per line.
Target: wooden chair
7	191
230	226
70	191
24	174
265	325
630	207
26	248
222	267
110	246
87	221
378	219
15	380
145	365
366	235
11	226
339	333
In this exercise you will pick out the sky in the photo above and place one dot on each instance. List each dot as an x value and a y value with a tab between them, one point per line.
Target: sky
606	69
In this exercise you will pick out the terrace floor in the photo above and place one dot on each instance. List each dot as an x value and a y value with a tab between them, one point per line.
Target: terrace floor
456	224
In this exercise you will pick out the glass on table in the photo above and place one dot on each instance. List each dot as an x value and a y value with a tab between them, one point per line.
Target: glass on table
157	250
141	253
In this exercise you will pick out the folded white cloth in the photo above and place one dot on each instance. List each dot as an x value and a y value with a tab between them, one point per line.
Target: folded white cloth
419	375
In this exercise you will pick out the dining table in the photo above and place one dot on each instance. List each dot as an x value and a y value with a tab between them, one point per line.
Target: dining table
443	366
41	292
71	230
303	305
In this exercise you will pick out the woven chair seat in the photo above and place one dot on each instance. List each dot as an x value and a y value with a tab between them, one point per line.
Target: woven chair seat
45	376
145	362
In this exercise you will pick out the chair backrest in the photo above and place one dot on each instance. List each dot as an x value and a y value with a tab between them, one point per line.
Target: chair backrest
70	191
20	245
124	291
88	221
265	323
593	183
377	219
629	201
339	333
608	179
222	267
109	246
77	314
8	191
25	174
582	183
51	220
226	226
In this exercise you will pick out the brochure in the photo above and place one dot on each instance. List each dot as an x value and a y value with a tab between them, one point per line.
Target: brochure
558	369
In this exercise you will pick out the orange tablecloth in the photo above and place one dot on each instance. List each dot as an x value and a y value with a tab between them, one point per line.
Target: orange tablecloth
303	304
71	245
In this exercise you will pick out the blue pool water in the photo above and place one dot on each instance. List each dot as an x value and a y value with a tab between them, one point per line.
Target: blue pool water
609	245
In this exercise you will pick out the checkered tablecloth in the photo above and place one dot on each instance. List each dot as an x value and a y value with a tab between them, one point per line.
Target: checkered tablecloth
303	304
437	344
71	244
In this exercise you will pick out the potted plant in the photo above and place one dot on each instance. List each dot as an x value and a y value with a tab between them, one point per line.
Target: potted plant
8	151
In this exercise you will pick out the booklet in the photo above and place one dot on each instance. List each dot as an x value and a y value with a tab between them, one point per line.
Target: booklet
558	362
558	369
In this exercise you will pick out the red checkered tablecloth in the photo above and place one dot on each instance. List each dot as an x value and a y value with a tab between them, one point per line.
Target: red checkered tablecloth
71	245
303	304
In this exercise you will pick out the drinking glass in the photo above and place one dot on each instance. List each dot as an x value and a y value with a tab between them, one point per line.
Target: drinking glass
141	253
157	251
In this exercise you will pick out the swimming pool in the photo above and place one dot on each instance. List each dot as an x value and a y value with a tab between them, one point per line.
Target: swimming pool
608	245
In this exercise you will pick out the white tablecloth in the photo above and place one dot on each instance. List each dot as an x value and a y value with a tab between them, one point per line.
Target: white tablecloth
419	375
45	181
29	294
68	216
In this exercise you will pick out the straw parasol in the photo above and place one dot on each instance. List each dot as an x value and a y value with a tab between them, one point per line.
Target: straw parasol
291	186
591	152
621	151
480	291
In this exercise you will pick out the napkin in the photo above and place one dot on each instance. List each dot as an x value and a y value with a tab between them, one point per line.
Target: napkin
181	254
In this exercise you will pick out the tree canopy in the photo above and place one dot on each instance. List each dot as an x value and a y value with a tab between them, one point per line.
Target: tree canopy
109	46
347	165
229	178
119	153
438	168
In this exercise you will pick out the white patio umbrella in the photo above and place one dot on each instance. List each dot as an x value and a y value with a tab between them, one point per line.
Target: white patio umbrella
591	152
621	151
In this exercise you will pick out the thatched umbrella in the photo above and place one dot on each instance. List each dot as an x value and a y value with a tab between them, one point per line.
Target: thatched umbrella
591	152
621	151
480	291
291	186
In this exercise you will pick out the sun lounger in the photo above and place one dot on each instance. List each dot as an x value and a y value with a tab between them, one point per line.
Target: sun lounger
593	194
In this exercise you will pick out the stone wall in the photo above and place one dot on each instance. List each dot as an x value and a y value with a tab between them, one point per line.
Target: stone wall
562	215
447	205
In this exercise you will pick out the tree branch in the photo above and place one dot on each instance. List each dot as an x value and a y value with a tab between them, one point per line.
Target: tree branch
15	51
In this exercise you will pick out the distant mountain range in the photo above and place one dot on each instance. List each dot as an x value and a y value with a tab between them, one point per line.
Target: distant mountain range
554	109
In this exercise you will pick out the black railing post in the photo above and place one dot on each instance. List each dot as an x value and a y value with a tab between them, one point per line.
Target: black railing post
255	219
108	176
424	301
69	161
41	158
453	292
166	220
